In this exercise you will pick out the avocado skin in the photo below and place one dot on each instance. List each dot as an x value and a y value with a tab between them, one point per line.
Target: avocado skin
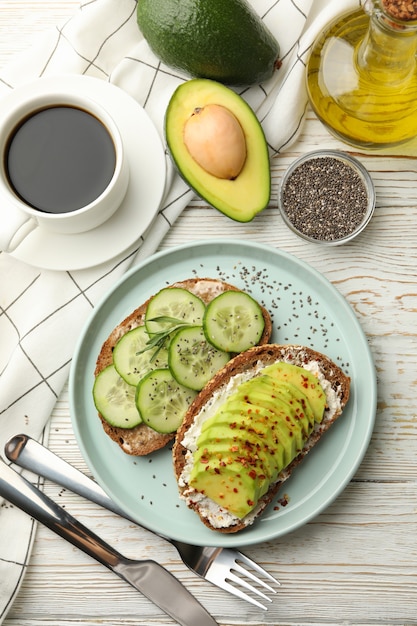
223	41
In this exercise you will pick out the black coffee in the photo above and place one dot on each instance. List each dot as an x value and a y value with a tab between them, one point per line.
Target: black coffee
60	159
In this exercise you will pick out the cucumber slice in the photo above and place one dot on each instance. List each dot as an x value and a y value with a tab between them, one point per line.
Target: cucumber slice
192	360
233	322
115	399
130	362
176	303
162	402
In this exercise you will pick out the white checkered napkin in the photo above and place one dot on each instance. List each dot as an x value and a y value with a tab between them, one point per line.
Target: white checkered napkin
42	312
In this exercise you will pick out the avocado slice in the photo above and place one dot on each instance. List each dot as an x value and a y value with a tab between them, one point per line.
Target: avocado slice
247	434
223	41
249	445
305	380
255	434
292	410
248	192
235	470
231	486
260	406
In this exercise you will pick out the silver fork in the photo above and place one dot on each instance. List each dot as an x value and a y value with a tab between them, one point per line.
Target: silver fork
228	569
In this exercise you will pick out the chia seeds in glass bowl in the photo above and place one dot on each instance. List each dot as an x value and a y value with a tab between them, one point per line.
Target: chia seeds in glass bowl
326	197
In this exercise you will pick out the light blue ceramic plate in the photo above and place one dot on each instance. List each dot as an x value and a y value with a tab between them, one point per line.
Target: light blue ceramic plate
306	309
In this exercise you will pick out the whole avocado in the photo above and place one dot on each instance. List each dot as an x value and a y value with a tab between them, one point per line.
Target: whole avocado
224	40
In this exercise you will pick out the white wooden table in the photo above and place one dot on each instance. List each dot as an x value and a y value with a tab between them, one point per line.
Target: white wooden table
357	562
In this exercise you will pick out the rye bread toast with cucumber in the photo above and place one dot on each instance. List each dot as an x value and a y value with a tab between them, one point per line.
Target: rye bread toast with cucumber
158	346
250	427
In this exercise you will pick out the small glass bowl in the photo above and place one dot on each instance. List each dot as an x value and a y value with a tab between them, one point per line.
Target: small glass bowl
347	160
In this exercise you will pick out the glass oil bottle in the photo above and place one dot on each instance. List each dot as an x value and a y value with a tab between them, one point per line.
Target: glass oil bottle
362	75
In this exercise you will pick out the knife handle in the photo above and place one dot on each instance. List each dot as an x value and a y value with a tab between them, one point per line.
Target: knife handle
22	494
146	575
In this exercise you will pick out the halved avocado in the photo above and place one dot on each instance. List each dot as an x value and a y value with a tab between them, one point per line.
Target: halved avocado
243	196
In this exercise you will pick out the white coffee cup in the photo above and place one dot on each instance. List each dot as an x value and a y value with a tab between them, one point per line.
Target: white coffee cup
18	214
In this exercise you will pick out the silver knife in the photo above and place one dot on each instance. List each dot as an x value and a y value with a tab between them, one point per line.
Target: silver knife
147	576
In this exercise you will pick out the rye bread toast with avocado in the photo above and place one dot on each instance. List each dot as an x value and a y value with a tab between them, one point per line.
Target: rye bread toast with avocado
240	439
142	439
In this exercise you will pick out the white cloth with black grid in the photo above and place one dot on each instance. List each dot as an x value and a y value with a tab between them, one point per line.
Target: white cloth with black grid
43	311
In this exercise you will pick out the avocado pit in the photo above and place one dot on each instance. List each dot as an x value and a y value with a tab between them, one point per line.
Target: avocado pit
214	138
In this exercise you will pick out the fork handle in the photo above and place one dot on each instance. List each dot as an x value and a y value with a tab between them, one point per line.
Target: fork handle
33	456
21	493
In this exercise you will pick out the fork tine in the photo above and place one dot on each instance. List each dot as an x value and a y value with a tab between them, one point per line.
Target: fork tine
240	594
226	572
243	583
242	558
249	574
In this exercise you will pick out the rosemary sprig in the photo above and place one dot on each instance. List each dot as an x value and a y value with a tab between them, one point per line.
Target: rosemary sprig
160	339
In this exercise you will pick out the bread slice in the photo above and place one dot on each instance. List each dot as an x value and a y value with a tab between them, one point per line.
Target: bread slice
142	439
335	383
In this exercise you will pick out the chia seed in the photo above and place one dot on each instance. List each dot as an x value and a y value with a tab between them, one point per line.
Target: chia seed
325	199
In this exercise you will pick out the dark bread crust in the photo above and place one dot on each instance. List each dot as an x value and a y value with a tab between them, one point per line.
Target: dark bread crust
142	439
266	354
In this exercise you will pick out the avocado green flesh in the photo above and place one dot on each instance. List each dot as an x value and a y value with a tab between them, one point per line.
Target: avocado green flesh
222	41
303	379
247	445
257	432
249	193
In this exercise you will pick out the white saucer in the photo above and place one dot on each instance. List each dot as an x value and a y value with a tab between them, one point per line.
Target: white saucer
146	157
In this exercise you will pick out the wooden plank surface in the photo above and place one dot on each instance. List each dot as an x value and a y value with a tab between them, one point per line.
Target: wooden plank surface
357	562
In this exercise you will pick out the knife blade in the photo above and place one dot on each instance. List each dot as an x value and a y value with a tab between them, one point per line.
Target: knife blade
147	576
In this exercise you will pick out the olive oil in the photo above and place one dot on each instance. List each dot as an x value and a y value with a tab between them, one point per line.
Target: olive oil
362	79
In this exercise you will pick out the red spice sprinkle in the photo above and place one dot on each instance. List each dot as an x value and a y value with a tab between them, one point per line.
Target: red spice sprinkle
252	474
